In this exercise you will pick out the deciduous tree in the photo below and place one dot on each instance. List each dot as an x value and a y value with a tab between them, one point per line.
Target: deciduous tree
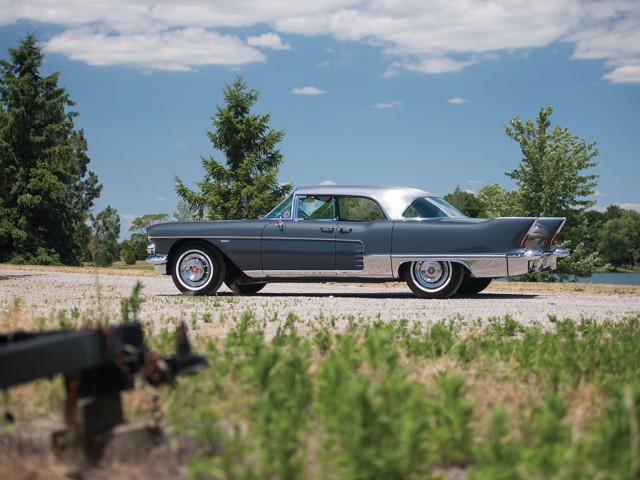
141	223
553	180
620	239
466	202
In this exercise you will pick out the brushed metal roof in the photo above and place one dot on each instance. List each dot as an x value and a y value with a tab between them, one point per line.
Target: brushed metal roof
394	200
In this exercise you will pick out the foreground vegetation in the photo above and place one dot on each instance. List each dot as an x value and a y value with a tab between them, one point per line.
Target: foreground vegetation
307	398
391	400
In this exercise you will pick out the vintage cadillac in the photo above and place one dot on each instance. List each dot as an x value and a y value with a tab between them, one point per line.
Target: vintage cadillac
334	233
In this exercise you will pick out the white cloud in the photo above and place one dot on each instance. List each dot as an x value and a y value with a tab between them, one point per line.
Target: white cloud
308	91
598	193
432	65
630	206
178	50
434	37
327	182
624	206
457	100
268	40
385	105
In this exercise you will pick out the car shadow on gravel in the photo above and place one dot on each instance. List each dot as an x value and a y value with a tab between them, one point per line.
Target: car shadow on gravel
370	295
13	276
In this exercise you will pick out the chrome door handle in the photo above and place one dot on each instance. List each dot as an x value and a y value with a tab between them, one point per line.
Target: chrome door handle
345	230
327	229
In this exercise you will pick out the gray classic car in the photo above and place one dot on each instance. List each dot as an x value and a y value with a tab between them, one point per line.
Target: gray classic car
355	233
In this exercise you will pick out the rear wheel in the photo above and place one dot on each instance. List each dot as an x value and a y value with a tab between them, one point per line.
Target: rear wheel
472	286
434	279
197	269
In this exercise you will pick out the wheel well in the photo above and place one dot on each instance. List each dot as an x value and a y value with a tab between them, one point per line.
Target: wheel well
186	241
402	269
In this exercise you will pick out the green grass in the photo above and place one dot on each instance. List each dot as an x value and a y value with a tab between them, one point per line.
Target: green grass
391	400
373	399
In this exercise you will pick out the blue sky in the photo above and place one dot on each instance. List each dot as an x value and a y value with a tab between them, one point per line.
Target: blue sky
393	92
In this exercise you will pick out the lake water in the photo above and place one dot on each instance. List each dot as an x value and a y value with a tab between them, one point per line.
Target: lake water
613	278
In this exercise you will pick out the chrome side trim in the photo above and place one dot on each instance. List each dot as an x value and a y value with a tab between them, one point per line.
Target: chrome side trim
494	266
299	273
315	239
375	266
481	266
210	237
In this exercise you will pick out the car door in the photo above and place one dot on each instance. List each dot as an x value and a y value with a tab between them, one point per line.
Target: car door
304	245
363	238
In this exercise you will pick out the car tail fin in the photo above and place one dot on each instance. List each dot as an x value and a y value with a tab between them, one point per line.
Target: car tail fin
553	225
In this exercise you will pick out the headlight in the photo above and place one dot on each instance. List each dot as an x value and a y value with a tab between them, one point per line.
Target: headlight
151	249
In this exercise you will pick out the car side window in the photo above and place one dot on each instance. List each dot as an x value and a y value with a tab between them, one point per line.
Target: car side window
431	207
316	208
359	209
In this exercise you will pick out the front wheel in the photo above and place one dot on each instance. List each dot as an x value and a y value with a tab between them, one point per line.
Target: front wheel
434	279
197	269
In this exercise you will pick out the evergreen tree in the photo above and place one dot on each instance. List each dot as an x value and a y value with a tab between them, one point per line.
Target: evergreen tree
46	190
106	230
246	185
184	211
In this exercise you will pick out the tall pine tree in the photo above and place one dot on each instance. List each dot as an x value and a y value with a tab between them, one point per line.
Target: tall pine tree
247	185
46	190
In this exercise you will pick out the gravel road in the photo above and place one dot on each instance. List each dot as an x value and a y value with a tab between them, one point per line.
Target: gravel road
52	294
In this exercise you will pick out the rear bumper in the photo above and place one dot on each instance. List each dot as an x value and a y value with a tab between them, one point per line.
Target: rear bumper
159	262
534	261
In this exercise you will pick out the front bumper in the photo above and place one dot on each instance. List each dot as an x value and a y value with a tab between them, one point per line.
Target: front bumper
159	262
534	261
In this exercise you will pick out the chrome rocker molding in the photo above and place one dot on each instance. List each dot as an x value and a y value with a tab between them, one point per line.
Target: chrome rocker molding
496	266
388	267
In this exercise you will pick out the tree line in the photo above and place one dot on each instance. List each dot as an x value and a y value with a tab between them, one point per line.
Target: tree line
47	191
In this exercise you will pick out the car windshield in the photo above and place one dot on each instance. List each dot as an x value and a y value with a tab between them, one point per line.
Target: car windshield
431	207
283	210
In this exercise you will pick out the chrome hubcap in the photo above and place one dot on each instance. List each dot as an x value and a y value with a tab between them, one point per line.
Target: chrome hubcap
431	275
195	269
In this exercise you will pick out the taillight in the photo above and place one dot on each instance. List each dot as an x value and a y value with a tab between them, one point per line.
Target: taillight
524	241
553	240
